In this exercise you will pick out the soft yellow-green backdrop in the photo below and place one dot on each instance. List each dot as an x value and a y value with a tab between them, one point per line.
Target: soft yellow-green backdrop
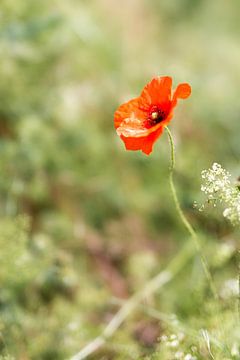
84	222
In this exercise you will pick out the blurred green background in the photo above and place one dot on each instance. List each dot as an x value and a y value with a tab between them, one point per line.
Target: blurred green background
82	220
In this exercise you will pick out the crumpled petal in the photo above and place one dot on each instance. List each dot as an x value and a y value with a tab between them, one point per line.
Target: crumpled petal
129	110
133	120
142	143
183	91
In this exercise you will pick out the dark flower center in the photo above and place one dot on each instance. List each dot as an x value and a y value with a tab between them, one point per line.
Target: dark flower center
155	116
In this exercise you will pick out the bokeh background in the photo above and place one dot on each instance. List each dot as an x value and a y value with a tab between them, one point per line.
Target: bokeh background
85	223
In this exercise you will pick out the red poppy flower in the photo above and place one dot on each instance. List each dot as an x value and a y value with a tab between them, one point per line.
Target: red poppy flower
140	121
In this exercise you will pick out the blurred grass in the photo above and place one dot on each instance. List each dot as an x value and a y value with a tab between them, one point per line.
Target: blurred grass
82	220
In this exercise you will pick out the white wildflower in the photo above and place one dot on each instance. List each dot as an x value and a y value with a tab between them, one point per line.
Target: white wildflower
174	343
179	355
235	351
189	357
164	338
219	189
229	289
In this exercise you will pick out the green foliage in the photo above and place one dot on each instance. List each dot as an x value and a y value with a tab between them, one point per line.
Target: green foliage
82	222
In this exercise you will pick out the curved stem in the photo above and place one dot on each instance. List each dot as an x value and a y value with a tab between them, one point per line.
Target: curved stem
185	221
239	285
155	283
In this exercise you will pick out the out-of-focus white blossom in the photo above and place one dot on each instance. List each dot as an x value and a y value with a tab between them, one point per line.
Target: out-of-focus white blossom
189	357
235	351
175	343
219	189
229	289
179	355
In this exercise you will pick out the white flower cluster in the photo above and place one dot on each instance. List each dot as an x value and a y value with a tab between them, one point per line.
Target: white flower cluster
174	342
219	189
229	289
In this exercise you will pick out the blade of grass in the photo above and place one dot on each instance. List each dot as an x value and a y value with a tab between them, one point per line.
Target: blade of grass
155	284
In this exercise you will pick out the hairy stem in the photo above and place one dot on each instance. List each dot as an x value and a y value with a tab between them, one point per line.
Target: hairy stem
239	285
183	218
158	281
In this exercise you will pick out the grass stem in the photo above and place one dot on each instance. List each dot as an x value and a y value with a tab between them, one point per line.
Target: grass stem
155	284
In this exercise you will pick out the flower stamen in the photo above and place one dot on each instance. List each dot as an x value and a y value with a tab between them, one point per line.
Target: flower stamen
154	115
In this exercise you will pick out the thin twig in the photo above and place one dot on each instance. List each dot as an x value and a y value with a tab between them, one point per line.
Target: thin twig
158	281
130	305
171	321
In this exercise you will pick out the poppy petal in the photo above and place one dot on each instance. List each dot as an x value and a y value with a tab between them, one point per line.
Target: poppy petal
157	91
128	110
134	120
183	91
144	143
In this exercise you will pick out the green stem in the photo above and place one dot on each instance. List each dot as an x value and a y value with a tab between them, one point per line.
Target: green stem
239	285
185	222
156	283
